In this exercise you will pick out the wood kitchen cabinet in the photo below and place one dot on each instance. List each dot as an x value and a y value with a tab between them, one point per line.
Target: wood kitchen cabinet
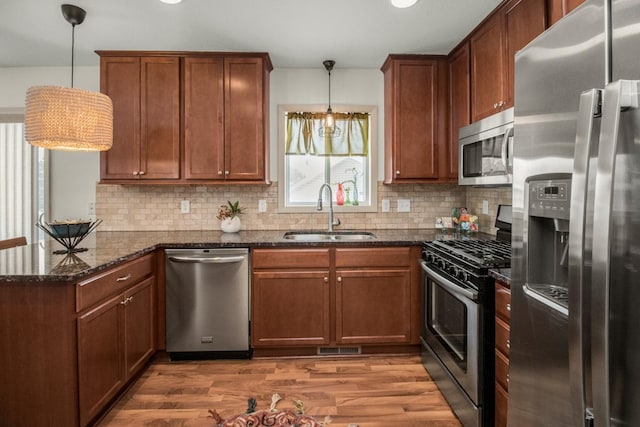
74	346
115	337
335	297
493	45
502	319
559	8
146	117
459	102
190	117
290	297
373	295
415	103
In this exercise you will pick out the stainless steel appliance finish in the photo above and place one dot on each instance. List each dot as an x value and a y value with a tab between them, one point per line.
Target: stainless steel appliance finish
207	299
574	299
457	322
486	151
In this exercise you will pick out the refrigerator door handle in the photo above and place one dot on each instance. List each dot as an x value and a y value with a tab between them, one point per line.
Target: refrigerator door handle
618	96
588	111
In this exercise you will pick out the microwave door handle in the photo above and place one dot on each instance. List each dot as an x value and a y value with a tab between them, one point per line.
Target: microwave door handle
503	151
585	145
618	96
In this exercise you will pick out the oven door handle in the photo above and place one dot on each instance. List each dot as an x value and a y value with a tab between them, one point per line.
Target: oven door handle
447	284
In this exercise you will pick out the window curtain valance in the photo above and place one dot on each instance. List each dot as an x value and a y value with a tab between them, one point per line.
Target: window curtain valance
305	134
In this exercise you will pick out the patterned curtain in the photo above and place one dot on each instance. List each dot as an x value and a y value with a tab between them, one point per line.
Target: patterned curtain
306	134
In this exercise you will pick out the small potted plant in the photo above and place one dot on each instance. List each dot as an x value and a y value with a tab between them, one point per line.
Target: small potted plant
228	215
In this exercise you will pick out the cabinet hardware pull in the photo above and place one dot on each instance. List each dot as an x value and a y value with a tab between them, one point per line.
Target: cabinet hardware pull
226	172
124	278
135	173
141	172
326	280
508	343
124	302
495	105
507	378
397	172
339	279
508	307
220	173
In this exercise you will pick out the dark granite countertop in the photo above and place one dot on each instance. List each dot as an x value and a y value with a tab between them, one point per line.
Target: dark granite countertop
37	263
501	274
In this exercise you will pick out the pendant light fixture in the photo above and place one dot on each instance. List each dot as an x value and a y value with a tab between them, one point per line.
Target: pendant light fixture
401	4
62	118
329	128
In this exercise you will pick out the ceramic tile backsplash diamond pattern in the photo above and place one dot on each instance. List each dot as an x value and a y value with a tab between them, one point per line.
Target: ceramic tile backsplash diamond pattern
157	207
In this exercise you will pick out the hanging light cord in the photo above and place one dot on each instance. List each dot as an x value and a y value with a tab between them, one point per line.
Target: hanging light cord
73	39
329	90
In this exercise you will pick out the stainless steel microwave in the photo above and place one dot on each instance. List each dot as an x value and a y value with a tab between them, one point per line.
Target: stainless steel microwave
486	149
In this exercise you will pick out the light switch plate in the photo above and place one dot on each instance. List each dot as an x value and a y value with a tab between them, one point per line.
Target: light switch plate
262	205
404	205
485	207
185	206
386	206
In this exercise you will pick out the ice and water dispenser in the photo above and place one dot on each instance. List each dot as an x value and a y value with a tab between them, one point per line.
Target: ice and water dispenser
548	239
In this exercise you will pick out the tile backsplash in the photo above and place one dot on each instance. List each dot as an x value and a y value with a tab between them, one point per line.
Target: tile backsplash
157	207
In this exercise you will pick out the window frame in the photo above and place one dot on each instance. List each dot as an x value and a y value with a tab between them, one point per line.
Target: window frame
373	155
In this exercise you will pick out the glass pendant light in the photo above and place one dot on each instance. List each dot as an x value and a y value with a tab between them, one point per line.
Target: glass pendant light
329	128
62	118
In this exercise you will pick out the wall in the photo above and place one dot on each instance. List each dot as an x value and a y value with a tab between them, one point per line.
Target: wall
494	197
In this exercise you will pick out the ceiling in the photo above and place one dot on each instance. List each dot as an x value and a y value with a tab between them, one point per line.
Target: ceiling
296	33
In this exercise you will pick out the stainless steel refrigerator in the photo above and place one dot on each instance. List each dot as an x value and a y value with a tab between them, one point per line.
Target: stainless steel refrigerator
575	320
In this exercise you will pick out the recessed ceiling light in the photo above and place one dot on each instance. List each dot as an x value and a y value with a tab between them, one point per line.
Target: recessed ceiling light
171	1
403	3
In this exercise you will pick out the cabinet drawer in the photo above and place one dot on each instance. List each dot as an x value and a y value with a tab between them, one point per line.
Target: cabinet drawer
112	281
373	257
502	403
503	302
502	370
290	258
502	336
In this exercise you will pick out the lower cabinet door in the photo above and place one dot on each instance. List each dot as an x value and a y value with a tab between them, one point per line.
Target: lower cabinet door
290	308
373	306
502	400
100	368
138	326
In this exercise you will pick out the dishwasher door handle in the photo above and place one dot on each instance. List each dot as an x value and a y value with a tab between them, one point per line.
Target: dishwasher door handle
212	260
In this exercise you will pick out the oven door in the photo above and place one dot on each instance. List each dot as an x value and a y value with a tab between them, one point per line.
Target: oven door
451	328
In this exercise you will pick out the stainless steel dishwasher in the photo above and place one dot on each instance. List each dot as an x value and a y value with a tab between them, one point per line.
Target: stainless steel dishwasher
207	300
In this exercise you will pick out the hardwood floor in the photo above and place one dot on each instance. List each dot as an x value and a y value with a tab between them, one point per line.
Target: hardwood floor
364	391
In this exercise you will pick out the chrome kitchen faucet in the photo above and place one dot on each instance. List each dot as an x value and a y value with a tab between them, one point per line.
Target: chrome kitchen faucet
319	206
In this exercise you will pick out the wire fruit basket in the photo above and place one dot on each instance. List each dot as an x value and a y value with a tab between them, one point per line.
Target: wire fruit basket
68	233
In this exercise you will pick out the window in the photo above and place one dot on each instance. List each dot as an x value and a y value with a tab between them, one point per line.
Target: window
23	180
310	157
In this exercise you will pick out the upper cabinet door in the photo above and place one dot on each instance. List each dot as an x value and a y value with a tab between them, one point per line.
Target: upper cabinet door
160	118
412	118
459	103
559	8
246	116
203	118
524	21
120	80
488	69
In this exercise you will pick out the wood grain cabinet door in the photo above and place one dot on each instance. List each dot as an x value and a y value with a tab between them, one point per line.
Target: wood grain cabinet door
203	118
488	68
459	103
290	308
245	118
120	80
139	321
100	362
160	118
524	21
373	306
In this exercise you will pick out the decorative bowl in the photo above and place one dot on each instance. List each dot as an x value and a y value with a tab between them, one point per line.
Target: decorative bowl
73	228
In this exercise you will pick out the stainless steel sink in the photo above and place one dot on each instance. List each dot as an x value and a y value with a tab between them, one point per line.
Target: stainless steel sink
323	236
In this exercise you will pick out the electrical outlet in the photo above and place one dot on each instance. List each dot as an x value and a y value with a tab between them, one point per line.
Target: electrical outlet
485	207
185	206
404	205
92	208
262	205
386	206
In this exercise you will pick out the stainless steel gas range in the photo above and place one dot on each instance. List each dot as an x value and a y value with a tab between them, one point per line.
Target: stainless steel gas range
458	322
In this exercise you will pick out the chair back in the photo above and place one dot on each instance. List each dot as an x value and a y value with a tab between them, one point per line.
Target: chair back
12	243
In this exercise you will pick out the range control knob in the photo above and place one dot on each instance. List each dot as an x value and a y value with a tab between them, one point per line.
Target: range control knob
462	275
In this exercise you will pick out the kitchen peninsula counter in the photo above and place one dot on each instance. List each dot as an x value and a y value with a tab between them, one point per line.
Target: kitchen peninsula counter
37	263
